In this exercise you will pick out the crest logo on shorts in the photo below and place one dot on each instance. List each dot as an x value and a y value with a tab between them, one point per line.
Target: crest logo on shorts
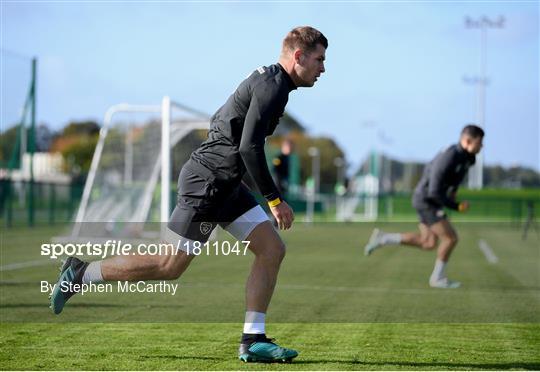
440	213
205	227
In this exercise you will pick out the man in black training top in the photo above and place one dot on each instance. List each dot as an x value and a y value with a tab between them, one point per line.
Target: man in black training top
435	191
281	166
211	193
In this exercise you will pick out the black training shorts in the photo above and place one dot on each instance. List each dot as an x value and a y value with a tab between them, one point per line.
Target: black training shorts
431	215
202	204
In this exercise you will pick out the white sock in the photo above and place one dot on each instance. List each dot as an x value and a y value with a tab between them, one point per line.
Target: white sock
93	273
389	238
254	323
438	270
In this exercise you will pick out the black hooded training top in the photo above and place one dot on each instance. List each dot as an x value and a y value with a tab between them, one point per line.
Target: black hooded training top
441	179
239	128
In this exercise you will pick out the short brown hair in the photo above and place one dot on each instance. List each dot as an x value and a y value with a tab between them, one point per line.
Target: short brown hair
305	38
473	131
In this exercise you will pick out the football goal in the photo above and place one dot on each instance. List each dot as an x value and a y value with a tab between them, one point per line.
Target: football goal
129	186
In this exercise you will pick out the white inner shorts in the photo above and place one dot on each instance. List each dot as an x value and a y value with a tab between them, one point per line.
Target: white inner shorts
244	225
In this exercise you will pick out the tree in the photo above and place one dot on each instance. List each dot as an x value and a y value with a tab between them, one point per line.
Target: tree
328	150
8	141
8	138
88	128
77	143
44	137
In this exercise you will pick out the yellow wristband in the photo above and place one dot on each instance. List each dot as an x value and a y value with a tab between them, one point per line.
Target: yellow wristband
275	202
461	207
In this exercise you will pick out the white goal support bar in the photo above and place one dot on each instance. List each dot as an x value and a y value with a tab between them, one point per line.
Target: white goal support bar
164	162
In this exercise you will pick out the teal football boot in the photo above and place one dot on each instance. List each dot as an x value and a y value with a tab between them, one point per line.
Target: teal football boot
71	273
264	350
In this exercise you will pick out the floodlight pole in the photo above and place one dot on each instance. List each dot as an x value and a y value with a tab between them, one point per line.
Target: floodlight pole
476	176
339	162
315	174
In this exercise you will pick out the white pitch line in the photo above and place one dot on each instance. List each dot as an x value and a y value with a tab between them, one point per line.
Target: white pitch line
24	265
487	251
363	290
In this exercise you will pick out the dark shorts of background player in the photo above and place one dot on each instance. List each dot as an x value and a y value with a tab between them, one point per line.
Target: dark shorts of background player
202	204
429	216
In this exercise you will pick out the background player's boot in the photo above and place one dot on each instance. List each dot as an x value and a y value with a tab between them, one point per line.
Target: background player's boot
264	350
444	283
374	242
71	273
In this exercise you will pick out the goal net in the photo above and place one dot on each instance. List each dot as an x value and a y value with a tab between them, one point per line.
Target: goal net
129	188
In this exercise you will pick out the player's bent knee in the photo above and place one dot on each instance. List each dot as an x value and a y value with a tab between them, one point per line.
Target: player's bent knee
172	272
281	251
450	239
453	239
429	244
274	251
278	251
169	268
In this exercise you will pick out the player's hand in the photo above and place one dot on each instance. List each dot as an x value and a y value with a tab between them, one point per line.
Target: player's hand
463	206
283	214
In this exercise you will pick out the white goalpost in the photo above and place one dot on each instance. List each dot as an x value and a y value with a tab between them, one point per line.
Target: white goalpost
131	170
362	205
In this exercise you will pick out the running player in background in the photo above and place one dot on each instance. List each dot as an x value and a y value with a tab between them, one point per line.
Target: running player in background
437	190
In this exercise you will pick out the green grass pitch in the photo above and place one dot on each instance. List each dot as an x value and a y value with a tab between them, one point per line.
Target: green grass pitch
341	310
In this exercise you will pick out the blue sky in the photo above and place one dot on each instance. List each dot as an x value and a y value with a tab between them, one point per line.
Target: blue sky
394	79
